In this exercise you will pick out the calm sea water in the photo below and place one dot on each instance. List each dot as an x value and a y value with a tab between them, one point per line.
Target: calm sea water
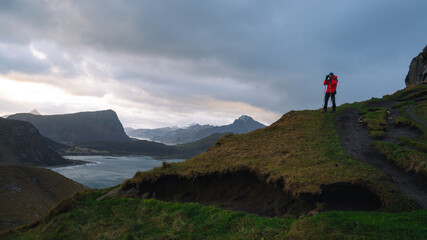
107	171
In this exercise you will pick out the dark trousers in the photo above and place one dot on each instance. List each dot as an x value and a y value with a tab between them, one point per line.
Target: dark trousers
332	95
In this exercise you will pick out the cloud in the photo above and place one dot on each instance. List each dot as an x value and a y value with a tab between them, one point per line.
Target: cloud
210	59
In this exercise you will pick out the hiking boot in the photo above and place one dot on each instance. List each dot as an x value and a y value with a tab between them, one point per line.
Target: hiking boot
333	110
324	110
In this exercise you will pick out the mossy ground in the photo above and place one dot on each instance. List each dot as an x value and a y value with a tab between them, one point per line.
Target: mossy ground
113	218
408	159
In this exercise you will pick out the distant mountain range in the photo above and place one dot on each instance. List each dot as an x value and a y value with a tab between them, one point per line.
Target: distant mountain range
101	133
77	127
243	124
148	133
145	148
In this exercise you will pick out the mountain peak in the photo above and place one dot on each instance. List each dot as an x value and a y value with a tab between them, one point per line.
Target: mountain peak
35	112
245	124
245	118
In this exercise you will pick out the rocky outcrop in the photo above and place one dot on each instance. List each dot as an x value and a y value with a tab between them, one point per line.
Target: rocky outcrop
77	127
22	144
418	69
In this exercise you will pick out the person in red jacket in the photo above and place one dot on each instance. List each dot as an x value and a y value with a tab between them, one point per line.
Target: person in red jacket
331	81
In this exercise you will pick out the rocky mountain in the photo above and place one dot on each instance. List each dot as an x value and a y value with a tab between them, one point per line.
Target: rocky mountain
244	124
22	144
418	69
27	193
77	127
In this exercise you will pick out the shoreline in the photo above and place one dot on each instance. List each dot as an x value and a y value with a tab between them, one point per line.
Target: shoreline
159	158
71	163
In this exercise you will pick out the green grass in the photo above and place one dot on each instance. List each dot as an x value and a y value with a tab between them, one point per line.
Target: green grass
421	110
418	92
376	120
405	120
115	218
420	145
408	159
85	218
361	225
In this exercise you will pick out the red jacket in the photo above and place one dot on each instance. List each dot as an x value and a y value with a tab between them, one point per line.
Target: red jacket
332	84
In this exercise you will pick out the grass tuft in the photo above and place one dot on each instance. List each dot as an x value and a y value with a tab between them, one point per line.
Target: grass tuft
376	120
408	159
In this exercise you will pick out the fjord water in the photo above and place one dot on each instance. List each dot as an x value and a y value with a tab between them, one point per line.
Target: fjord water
107	171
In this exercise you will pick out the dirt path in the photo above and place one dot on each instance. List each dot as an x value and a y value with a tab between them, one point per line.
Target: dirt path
357	143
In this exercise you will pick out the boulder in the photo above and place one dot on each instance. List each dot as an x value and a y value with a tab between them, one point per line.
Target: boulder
418	70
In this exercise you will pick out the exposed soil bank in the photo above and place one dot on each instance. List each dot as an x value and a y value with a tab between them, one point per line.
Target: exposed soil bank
246	191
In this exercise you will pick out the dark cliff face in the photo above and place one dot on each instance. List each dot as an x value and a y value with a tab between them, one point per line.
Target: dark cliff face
418	69
78	127
22	144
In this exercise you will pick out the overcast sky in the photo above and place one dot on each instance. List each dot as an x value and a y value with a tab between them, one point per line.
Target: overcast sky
163	63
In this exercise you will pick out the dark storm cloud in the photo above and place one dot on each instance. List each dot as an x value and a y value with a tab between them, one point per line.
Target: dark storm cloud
270	54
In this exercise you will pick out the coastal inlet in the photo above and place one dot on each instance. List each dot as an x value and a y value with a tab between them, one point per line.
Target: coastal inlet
108	171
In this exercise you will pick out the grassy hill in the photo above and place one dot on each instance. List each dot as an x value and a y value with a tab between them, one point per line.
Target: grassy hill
296	169
300	155
27	193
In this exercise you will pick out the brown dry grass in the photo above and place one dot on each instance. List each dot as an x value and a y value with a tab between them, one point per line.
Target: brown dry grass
27	193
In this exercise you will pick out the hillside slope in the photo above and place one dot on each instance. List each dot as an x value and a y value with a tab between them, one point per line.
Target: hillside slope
77	127
381	134
295	166
22	144
27	193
